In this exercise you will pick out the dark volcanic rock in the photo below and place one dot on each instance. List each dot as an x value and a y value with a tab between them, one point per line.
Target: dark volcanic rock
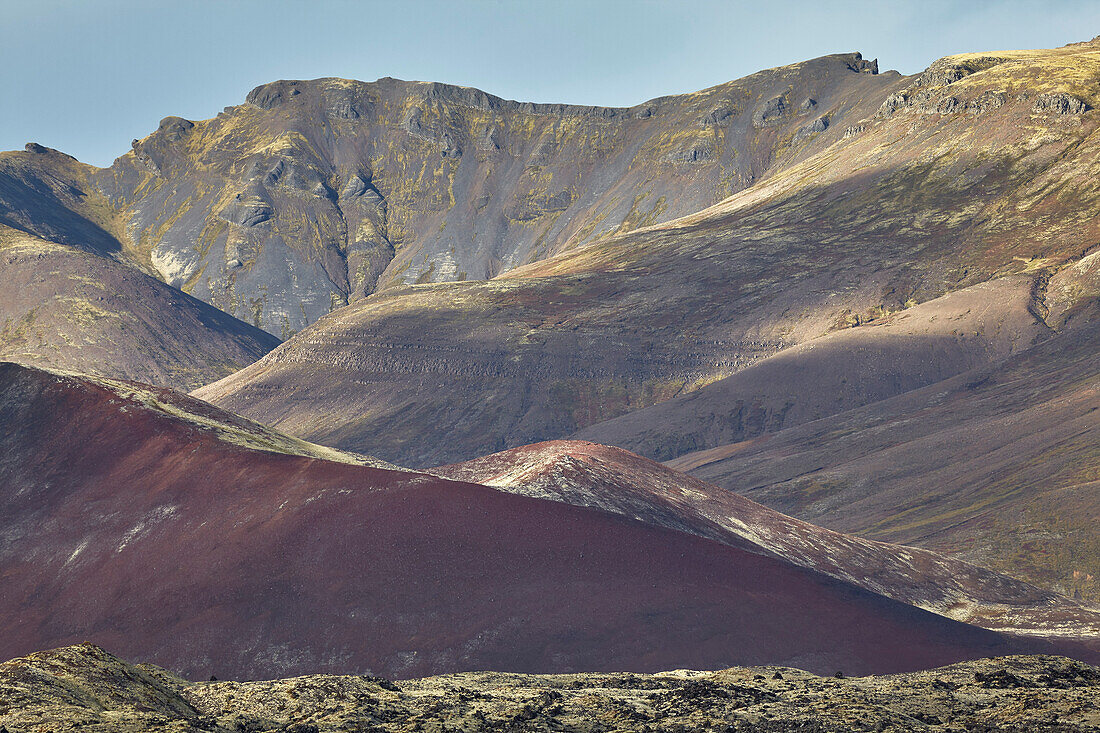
893	103
818	125
986	102
770	112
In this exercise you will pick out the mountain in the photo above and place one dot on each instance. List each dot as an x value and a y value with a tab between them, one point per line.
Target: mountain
153	523
65	308
50	195
314	193
72	297
615	480
85	686
981	168
997	466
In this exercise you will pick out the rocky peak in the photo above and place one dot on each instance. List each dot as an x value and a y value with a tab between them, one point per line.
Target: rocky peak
861	65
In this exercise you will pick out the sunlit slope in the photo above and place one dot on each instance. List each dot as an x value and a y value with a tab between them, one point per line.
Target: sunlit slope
615	480
64	307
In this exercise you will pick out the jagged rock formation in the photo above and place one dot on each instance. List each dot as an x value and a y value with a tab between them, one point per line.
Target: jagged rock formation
316	193
614	480
86	686
913	207
169	530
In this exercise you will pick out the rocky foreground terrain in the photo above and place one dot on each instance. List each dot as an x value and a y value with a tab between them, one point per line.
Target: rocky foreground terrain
84	687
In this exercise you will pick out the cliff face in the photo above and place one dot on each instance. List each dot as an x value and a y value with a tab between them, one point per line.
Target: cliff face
316	193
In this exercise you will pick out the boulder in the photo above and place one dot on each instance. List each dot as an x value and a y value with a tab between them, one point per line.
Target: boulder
247	212
770	113
818	125
355	186
947	105
986	101
892	104
268	96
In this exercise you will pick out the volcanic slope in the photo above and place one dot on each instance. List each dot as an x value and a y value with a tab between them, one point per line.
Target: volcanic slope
63	307
997	466
615	480
50	195
983	167
130	524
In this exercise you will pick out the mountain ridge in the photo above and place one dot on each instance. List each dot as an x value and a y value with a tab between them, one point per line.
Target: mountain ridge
314	193
615	480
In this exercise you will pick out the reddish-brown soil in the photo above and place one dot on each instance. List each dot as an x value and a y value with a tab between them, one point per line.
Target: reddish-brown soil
131	528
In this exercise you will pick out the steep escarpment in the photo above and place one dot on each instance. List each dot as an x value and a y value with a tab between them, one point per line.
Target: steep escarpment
914	202
312	194
169	530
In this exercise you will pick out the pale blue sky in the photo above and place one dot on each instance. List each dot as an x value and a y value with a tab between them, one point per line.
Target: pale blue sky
87	76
